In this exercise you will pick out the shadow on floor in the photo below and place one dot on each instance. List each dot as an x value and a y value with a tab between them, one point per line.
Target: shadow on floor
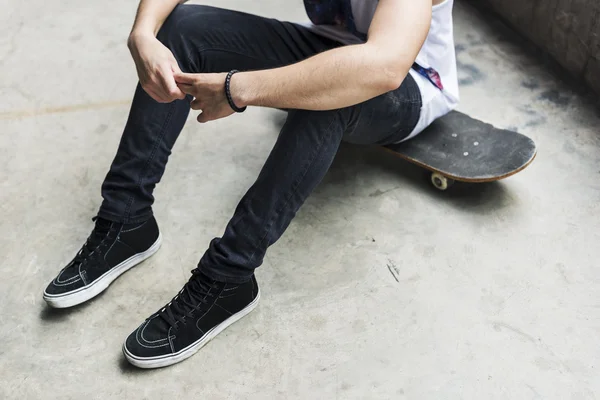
354	161
127	369
462	196
50	314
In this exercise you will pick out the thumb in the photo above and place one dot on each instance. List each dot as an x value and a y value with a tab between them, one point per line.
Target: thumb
182	77
185	88
169	85
176	70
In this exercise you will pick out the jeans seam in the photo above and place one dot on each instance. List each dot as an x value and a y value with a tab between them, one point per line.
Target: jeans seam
144	172
129	204
293	191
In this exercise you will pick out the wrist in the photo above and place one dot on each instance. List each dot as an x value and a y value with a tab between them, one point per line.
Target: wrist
139	34
239	90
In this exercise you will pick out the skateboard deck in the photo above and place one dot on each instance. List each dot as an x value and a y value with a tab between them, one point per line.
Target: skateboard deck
457	147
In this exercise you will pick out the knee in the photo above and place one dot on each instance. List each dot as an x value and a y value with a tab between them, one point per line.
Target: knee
171	28
179	31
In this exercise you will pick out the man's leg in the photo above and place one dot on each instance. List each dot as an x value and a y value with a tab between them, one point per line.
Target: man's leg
303	153
223	288
202	39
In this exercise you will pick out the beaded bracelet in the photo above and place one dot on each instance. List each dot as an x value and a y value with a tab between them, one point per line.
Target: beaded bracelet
228	92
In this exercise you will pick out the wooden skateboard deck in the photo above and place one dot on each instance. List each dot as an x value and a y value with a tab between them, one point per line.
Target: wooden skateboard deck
457	147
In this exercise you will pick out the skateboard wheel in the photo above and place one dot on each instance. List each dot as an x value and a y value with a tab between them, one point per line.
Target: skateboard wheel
440	181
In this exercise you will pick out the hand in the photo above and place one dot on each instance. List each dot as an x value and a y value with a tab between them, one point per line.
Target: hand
156	67
209	94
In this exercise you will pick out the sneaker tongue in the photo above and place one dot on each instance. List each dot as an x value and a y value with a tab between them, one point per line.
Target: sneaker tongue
193	293
198	287
100	231
200	284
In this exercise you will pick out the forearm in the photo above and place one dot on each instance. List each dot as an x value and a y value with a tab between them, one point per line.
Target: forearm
151	14
334	79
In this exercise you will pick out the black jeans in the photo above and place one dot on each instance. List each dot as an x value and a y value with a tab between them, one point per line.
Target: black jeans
207	39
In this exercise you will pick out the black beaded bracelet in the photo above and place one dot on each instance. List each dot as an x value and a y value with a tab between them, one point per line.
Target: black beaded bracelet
228	92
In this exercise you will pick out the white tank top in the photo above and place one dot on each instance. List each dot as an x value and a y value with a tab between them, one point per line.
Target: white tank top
348	21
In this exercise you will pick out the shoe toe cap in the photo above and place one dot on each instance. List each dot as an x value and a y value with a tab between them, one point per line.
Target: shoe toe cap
144	343
58	287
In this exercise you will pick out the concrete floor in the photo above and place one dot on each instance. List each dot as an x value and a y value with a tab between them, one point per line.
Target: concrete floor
382	288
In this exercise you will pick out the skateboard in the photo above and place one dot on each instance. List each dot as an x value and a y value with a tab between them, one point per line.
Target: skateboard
457	147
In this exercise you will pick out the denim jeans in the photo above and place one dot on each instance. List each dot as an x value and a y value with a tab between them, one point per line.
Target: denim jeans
207	39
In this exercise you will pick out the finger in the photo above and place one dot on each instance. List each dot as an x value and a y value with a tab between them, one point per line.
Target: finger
195	105
161	96
186	88
176	70
154	89
148	88
203	117
168	85
182	77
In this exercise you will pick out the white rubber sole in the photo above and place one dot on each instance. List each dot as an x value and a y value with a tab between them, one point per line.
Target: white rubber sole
99	285
164	361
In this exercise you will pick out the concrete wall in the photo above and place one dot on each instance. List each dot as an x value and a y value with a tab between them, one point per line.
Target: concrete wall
569	30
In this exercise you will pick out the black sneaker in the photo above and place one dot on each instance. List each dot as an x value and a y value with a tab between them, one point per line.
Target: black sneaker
199	312
111	249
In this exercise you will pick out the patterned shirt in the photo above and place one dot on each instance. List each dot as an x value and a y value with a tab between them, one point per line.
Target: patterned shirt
339	13
333	12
